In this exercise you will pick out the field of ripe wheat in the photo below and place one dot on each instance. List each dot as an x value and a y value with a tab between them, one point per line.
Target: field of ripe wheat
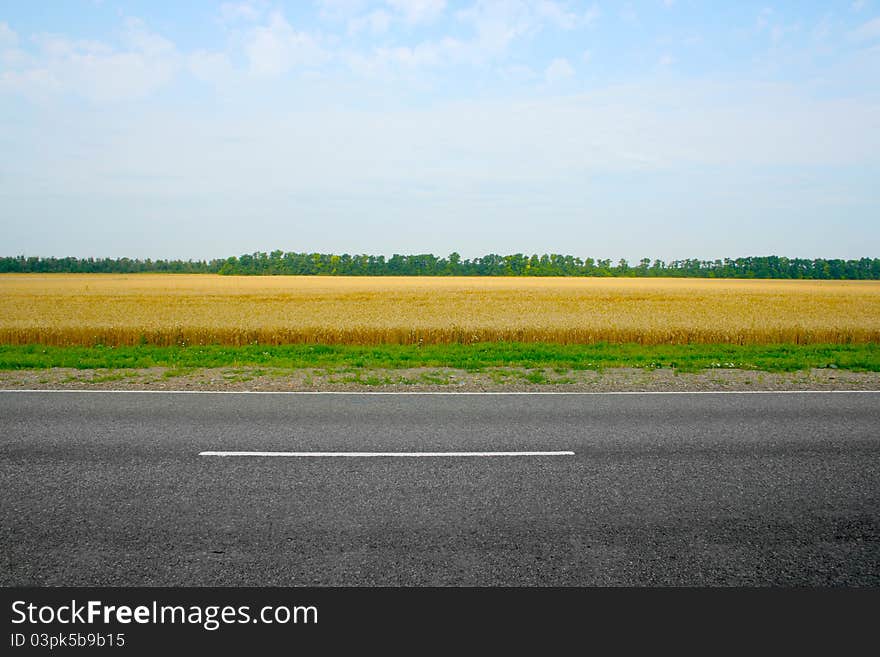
167	309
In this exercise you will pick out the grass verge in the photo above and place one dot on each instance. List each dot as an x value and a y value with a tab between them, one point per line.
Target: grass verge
475	357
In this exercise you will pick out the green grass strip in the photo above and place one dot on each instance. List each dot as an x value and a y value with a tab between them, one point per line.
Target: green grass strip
695	357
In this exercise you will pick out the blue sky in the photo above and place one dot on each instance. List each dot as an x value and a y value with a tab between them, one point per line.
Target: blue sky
665	129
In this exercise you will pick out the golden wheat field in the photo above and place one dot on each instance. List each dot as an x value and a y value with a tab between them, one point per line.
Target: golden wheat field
166	309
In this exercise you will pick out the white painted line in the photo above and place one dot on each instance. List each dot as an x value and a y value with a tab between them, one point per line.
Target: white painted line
440	392
384	454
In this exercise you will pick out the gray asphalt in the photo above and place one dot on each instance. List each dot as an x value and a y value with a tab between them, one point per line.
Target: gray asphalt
709	489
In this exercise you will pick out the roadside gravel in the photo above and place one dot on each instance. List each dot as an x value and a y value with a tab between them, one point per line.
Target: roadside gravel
437	380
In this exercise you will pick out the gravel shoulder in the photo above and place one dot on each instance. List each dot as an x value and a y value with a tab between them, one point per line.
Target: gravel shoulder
507	379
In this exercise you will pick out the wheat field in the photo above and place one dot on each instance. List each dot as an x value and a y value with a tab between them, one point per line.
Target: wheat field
169	309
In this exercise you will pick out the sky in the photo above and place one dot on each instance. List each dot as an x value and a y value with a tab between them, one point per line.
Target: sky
661	128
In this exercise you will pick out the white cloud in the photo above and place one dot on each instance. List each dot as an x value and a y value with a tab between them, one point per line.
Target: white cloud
232	12
275	48
11	56
8	37
418	11
822	31
867	31
558	70
587	57
119	76
213	67
96	70
389	61
591	15
31	83
376	22
666	61
763	19
379	21
340	9
519	73
54	46
559	16
858	5
139	38
497	23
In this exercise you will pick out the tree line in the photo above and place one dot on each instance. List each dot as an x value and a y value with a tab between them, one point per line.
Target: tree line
518	264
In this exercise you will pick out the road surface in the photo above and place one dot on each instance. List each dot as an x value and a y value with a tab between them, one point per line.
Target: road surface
681	489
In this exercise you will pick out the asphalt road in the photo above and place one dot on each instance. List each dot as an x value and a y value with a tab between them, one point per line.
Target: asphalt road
683	489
